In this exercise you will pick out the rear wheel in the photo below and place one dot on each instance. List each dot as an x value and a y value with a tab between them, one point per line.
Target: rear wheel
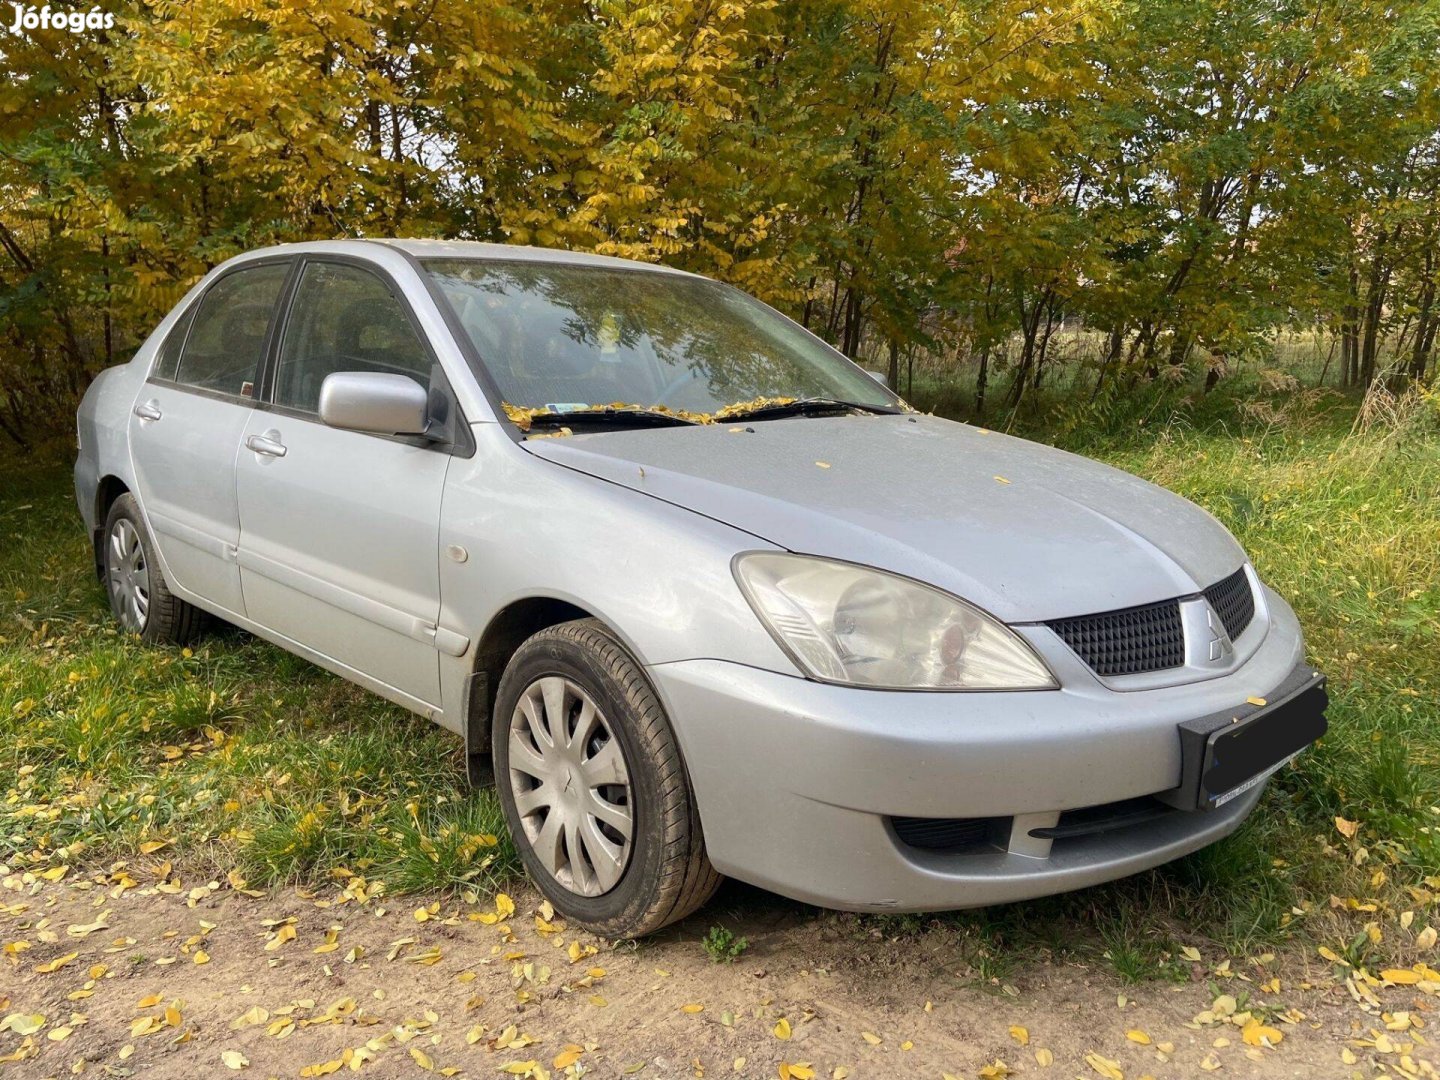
139	597
593	787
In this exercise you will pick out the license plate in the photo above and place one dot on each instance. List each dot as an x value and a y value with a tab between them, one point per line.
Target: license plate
1226	755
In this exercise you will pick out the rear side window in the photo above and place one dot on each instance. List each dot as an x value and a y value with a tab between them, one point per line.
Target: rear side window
168	362
227	340
344	318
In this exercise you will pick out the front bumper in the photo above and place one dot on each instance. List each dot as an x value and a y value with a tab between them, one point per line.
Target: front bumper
799	783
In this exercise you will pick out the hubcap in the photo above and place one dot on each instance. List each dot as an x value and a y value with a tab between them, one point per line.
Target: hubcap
128	576
571	787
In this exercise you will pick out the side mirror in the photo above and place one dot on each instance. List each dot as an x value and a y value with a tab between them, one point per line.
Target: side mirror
878	376
373	401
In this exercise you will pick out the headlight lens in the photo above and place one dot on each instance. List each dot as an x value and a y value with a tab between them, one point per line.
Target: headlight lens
849	624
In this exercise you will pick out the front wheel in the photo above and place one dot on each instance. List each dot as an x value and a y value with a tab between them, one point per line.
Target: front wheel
593	787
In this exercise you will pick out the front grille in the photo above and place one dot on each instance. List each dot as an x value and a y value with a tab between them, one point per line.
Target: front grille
1233	602
1129	641
950	835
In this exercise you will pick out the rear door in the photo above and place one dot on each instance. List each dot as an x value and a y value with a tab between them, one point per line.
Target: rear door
186	425
340	530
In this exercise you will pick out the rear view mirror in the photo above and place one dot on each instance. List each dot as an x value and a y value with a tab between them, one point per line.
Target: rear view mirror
377	402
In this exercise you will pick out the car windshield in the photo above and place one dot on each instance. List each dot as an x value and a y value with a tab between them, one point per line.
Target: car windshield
562	338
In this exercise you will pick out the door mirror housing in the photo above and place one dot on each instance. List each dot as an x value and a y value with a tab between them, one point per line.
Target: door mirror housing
373	401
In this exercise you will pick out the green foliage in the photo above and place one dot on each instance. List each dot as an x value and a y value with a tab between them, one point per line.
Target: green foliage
722	946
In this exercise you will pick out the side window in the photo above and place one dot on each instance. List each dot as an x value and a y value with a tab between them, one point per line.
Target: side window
227	340
168	360
344	318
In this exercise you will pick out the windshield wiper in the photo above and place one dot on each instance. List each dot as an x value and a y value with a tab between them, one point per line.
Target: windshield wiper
810	406
608	416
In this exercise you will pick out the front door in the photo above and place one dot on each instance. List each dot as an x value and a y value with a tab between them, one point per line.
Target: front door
340	530
186	426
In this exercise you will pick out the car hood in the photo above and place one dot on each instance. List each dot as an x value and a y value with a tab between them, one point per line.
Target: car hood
1023	530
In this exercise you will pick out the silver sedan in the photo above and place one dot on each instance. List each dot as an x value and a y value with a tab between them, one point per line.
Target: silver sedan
702	596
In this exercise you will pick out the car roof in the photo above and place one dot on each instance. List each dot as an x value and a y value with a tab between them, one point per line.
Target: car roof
466	249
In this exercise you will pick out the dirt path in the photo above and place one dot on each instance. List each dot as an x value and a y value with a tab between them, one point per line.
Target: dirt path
166	978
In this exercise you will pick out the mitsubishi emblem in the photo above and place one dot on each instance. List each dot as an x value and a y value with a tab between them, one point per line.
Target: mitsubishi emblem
1220	646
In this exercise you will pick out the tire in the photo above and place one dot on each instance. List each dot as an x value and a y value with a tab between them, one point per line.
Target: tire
661	874
139	598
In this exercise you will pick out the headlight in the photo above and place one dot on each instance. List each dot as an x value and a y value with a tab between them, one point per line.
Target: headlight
849	624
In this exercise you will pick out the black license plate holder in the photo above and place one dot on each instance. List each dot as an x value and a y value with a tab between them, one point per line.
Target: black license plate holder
1226	754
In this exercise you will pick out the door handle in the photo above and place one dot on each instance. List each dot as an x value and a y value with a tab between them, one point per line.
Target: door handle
148	411
268	444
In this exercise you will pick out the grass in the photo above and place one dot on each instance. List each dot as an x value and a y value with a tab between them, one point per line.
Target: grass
234	755
239	757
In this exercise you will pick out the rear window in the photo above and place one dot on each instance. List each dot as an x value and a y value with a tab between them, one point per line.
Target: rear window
227	340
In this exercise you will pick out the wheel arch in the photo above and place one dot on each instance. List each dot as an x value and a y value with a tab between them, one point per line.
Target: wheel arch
110	488
507	630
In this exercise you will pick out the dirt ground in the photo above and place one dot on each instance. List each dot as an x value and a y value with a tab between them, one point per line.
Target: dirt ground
136	972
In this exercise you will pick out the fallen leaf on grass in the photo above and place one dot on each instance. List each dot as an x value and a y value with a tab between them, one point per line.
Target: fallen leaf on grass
871	1038
692	1008
1135	1035
1044	1058
1104	1066
782	1028
799	1070
1020	1035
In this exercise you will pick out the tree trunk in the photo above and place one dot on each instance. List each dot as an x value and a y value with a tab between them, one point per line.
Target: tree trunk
1425	327
981	380
1374	309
